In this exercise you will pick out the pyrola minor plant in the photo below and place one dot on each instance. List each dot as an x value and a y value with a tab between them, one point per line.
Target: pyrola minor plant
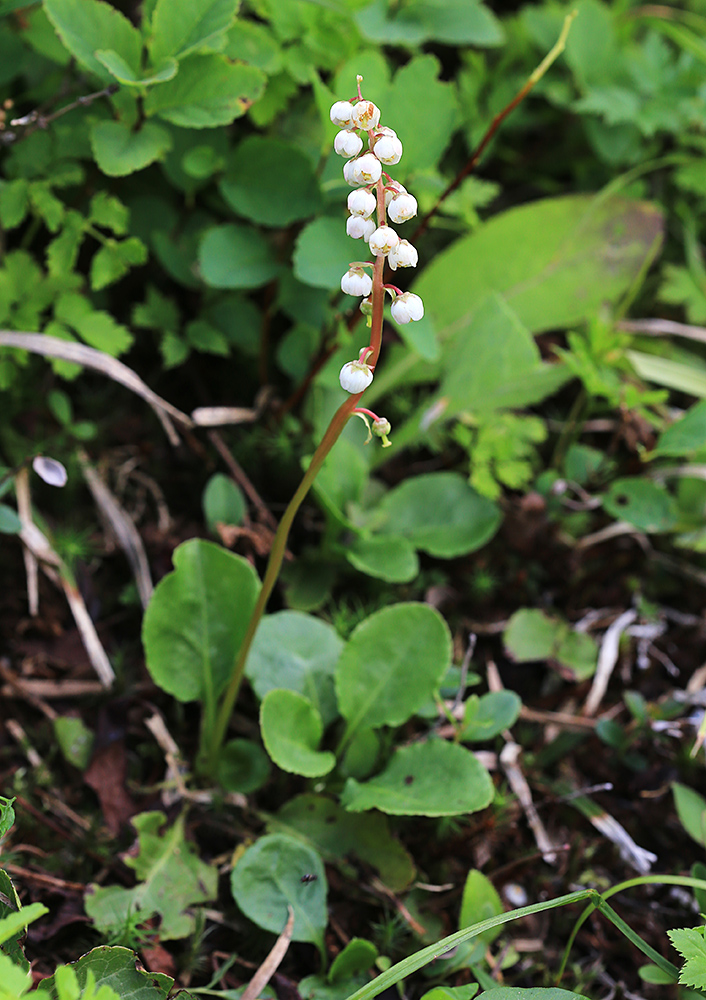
376	193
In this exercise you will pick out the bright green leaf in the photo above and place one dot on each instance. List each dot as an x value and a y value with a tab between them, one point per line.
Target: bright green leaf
181	27
253	184
223	502
686	435
119	151
690	943
75	740
488	715
410	785
691	810
358	956
480	901
291	731
268	878
196	620
323	252
117	968
386	557
85	26
206	92
644	504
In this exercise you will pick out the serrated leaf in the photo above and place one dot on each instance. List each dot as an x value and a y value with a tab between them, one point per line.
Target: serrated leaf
268	878
180	27
62	252
124	74
689	942
196	620
85	26
410	785
114	259
14	201
172	878
206	92
118	150
291	731
117	968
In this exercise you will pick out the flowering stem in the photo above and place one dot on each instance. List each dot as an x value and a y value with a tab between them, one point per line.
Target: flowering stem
210	754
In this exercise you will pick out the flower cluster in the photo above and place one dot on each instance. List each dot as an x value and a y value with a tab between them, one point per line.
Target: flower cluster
375	194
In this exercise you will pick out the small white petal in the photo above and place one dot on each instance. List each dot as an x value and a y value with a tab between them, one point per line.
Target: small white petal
383	240
366	169
406	307
365	115
355	376
347	143
362	202
402	255
340	113
358	228
402	208
52	471
356	282
388	149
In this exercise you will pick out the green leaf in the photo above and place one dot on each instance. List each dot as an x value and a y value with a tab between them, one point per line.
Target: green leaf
7	820
75	740
554	261
206	92
243	766
85	26
684	378
268	878
16	981
323	252
428	106
297	652
410	785
291	731
253	184
686	435
529	993
387	557
489	715
117	968
223	502
119	151
336	834
466	992
172	878
14	922
118	68
11	946
180	27
691	810
480	900
196	620
689	942
453	22
10	523
642	503
358	956
14	202
114	259
233	256
440	514
96	327
531	635
62	252
391	665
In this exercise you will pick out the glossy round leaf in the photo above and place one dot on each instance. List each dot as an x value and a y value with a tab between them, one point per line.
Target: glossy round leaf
291	731
233	256
271	182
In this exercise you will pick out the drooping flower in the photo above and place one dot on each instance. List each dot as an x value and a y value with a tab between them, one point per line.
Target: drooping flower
402	207
356	281
362	202
365	115
388	149
359	228
366	169
347	143
355	376
340	113
383	240
406	307
402	255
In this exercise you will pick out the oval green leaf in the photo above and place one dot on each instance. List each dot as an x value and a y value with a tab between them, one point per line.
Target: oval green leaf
298	652
440	514
268	879
642	503
392	664
489	715
388	557
197	619
291	731
253	184
233	256
412	783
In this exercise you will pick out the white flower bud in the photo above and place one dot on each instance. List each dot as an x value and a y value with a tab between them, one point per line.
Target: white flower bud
365	115
406	307
383	240
356	282
402	255
359	228
402	207
355	376
362	202
340	113
388	149
347	143
379	132
397	189
366	169
348	173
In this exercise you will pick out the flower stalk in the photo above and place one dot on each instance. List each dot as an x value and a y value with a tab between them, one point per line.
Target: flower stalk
364	173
